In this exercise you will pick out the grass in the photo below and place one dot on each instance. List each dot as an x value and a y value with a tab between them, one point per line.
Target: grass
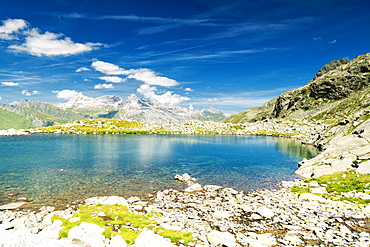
119	220
345	182
11	120
339	183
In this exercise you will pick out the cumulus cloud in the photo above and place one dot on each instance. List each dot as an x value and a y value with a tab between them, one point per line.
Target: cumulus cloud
67	94
11	26
108	68
10	84
168	98
113	79
51	44
152	78
145	75
30	93
188	89
103	86
82	69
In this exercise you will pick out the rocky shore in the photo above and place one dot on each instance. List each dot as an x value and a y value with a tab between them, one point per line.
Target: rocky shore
215	216
13	132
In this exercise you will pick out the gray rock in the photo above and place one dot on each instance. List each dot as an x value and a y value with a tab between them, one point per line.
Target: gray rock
212	187
117	241
363	168
221	239
87	233
265	212
193	188
147	238
11	206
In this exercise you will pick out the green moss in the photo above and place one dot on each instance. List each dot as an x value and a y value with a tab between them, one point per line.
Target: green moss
112	217
174	235
345	181
299	190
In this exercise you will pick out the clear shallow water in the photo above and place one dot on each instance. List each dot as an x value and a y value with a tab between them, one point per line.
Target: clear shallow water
135	165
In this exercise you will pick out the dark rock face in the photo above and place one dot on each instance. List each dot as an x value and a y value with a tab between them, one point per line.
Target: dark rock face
331	66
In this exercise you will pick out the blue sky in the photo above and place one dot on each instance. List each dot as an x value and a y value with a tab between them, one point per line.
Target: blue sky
231	55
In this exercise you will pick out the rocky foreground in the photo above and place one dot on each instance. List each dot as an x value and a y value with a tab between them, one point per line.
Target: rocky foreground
216	217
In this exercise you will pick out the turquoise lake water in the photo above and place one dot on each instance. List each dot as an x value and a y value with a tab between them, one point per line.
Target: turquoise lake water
135	165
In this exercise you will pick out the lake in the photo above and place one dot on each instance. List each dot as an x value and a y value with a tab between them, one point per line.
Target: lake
136	165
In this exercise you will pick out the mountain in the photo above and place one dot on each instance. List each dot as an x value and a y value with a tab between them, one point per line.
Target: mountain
339	89
31	114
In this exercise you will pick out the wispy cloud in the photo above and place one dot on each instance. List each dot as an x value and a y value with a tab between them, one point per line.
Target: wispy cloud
221	54
164	23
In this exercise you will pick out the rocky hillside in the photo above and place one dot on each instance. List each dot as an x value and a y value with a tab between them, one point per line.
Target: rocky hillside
338	100
31	114
338	90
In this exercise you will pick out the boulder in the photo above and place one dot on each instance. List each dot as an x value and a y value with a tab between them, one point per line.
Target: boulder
265	212
221	239
221	214
193	188
117	241
147	238
363	168
87	233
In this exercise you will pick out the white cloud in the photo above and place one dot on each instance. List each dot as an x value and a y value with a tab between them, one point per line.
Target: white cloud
1	98
11	26
145	75
67	94
10	84
188	89
333	42
51	44
168	98
82	69
28	93
103	86
151	78
109	68
113	79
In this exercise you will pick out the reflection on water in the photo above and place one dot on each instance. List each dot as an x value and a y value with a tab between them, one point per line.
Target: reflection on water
295	149
57	169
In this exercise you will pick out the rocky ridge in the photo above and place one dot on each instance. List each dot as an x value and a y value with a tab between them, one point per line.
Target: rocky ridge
41	114
215	216
338	89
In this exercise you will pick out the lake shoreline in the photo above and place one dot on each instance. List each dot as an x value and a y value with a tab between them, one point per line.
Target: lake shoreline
215	216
